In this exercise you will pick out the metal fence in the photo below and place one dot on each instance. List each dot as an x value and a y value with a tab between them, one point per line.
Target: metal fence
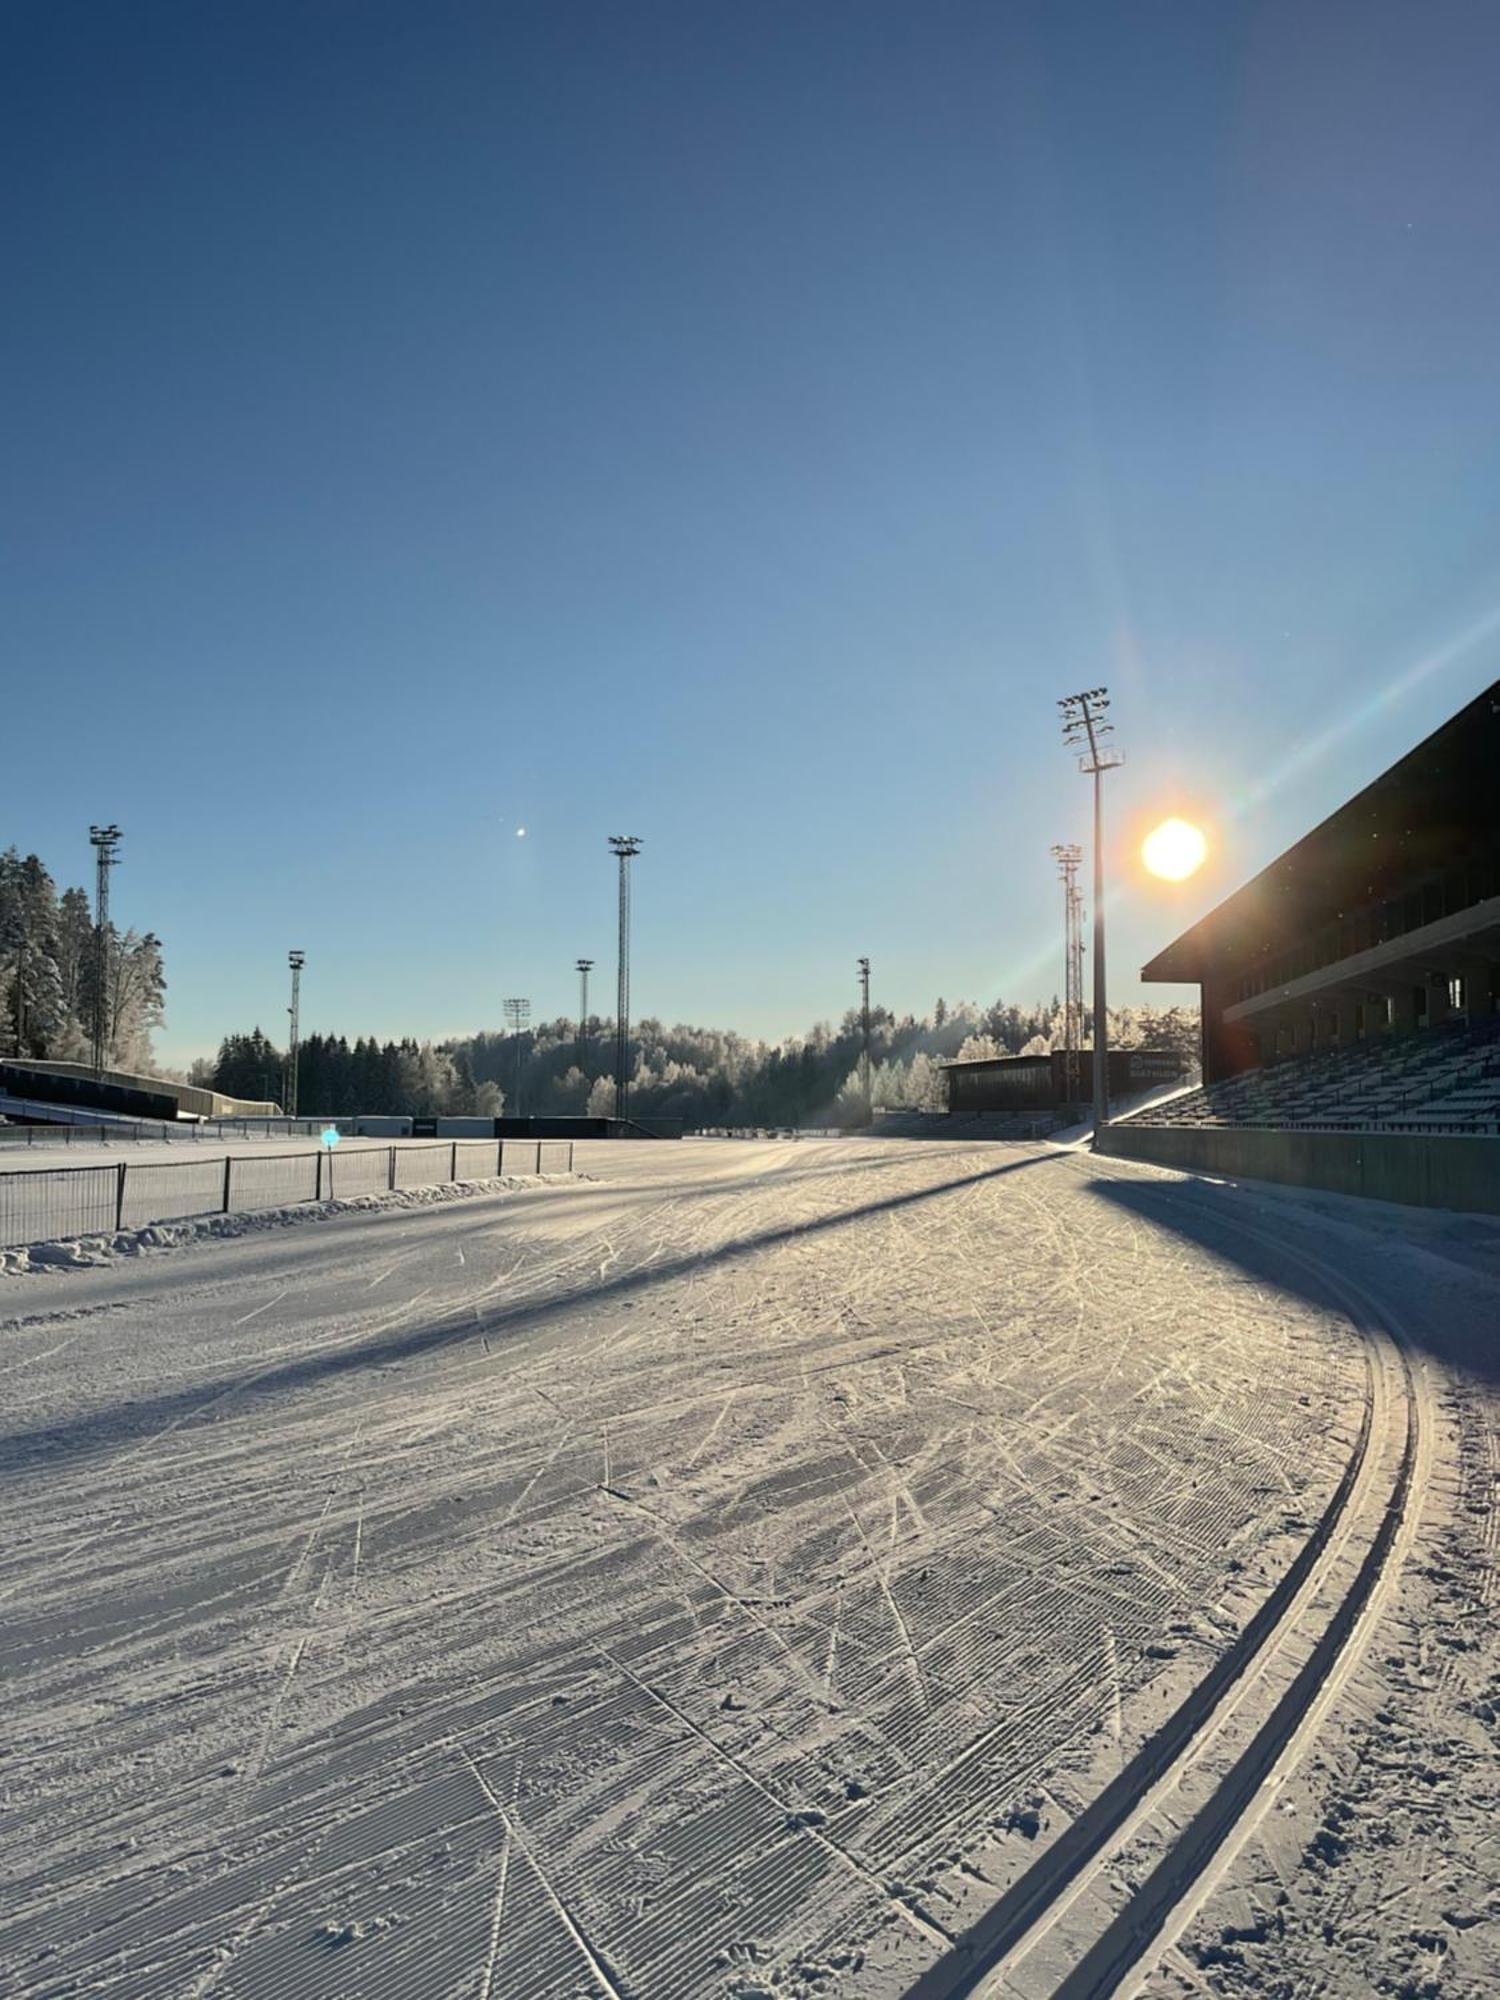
150	1132
40	1204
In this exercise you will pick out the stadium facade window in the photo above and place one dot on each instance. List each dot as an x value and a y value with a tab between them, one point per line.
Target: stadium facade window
1458	994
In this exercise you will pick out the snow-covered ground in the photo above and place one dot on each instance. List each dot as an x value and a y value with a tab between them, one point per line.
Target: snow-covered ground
726	1576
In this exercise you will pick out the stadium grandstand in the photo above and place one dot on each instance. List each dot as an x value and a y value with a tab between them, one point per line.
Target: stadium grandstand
1353	986
68	1092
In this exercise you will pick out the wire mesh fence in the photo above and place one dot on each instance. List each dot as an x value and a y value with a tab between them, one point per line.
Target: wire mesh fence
58	1201
155	1191
358	1171
45	1204
276	1180
102	1131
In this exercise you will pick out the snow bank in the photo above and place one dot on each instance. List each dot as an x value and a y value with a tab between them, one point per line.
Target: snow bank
74	1252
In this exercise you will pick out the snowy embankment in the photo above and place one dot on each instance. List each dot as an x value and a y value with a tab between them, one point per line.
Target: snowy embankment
74	1252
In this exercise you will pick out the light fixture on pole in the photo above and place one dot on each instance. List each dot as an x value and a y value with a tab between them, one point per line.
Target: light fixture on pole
625	846
1085	729
864	1039
585	966
296	960
104	840
517	1015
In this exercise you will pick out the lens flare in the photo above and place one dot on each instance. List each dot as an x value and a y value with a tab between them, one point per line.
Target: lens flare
1174	851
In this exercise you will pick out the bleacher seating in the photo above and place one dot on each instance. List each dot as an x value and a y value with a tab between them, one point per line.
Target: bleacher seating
1444	1079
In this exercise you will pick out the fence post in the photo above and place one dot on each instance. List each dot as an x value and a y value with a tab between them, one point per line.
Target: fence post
539	1156
228	1169
570	1156
393	1167
120	1172
499	1157
453	1163
318	1173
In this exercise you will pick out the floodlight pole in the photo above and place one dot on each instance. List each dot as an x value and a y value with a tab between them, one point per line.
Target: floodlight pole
1069	859
584	966
1083	721
296	960
864	1038
625	846
104	840
517	1014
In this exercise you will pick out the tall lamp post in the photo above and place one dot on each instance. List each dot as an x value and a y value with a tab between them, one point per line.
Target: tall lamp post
1084	729
584	967
517	1014
1069	859
104	840
625	846
864	1038
296	960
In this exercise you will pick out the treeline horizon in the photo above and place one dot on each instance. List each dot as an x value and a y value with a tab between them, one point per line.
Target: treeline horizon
703	1076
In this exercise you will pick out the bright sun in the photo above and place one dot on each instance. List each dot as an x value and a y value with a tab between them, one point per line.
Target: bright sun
1174	850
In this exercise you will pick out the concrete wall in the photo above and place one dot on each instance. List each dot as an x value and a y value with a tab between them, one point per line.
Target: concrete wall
1438	1172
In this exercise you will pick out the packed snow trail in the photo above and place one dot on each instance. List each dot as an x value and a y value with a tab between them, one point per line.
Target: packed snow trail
716	1578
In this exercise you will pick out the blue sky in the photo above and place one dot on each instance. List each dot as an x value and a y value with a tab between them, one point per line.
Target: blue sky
733	425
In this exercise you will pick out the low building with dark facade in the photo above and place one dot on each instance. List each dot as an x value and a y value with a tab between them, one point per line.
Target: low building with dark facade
1022	1084
1383	920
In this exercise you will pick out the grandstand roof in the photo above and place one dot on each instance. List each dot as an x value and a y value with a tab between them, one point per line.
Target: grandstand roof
1428	813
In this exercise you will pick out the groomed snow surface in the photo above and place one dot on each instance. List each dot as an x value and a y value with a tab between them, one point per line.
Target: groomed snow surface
723	1574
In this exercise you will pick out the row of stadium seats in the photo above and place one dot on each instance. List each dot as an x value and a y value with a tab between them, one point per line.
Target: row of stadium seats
1444	1079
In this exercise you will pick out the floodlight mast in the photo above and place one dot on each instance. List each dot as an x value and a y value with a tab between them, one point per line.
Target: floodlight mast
864	1039
625	846
1083	724
1069	858
584	967
296	960
104	840
517	1015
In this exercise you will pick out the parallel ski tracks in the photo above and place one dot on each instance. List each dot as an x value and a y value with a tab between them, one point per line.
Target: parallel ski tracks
1193	1793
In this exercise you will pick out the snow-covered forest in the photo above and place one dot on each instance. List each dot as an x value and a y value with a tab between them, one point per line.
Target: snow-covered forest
704	1076
50	966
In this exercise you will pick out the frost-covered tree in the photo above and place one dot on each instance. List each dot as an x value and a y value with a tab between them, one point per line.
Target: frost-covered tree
31	995
980	1048
51	972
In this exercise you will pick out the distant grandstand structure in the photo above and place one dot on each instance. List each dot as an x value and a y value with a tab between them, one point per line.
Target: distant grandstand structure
1353	988
75	1085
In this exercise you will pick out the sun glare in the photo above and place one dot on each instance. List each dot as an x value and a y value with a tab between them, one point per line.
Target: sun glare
1174	850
